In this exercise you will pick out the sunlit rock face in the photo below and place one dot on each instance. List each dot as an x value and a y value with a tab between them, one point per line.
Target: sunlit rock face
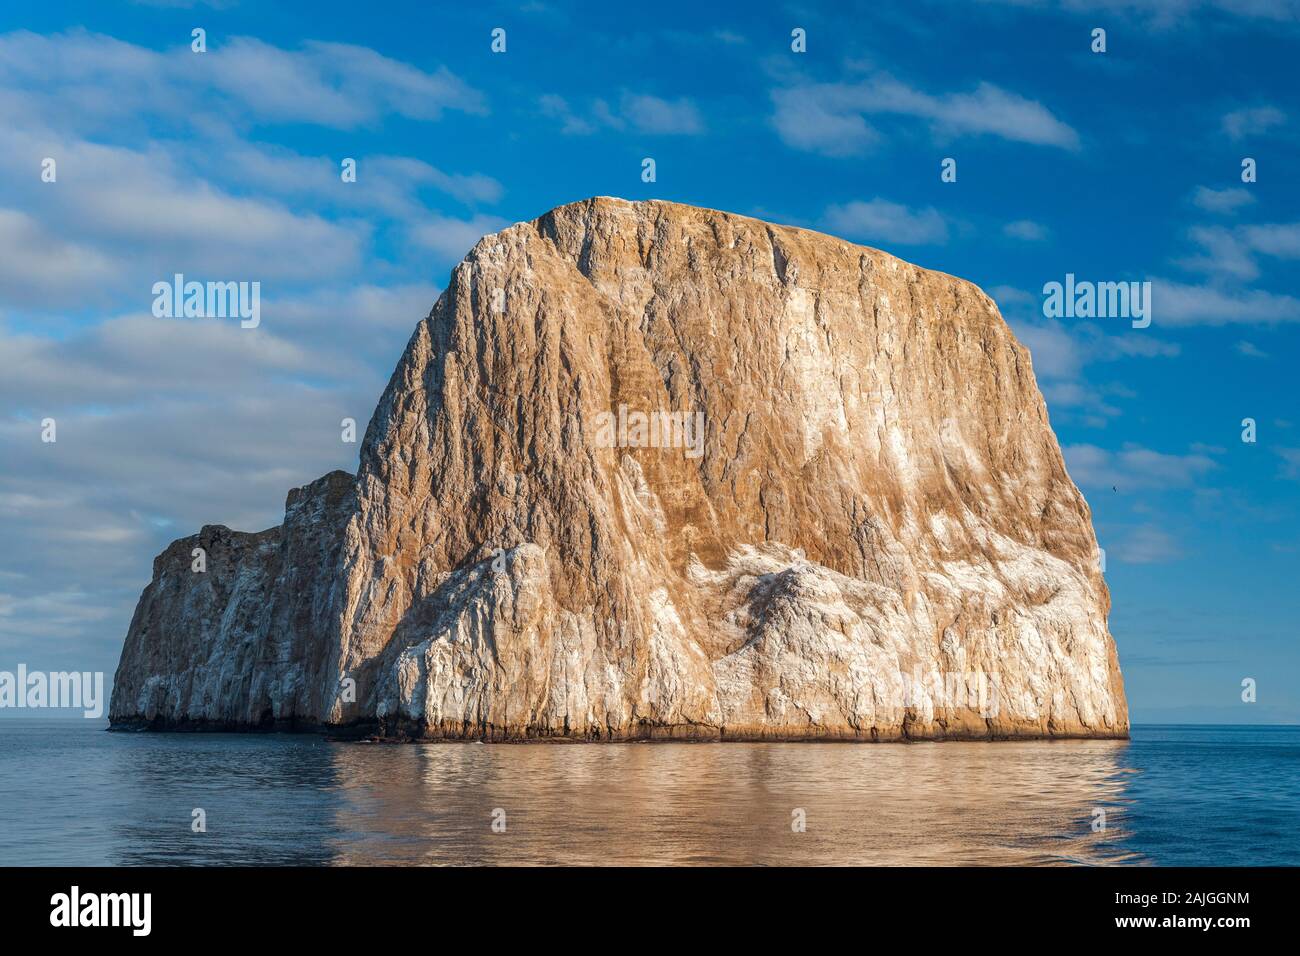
654	471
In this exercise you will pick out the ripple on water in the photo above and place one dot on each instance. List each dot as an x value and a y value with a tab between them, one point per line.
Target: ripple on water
74	795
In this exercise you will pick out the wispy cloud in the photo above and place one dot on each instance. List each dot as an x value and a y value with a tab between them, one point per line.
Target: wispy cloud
886	223
650	114
1146	544
452	238
1025	229
1177	304
386	184
1134	467
208	202
95	81
1290	462
1063	355
1224	252
1224	201
1230	257
640	112
167	424
1252	121
830	118
126	217
38	266
1167	14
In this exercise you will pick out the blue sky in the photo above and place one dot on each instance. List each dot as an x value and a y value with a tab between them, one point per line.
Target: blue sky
1116	166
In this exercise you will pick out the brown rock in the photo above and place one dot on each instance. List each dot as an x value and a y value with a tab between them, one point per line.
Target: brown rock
849	520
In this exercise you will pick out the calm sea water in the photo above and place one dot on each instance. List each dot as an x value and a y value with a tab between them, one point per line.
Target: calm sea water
71	793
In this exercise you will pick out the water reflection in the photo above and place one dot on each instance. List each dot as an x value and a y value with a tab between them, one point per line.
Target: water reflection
948	804
75	795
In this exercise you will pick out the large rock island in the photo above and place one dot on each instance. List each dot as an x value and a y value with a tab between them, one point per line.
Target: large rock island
654	471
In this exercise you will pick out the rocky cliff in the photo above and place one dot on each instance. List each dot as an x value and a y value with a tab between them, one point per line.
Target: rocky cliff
653	471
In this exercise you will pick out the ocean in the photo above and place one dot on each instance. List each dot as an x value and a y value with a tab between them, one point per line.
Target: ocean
73	794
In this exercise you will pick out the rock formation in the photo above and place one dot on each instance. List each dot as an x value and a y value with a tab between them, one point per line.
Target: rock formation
653	471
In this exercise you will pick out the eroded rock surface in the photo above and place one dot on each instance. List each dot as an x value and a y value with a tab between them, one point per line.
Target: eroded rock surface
872	537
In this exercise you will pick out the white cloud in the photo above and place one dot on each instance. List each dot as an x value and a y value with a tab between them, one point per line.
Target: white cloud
1291	462
1089	401
385	184
812	121
1025	229
163	425
886	223
1135	467
118	219
1281	240
1177	304
650	114
1225	253
355	311
91	82
829	118
557	107
126	218
37	267
451	237
168	424
1056	353
139	358
336	84
1169	14
1062	353
641	112
1252	121
1231	255
1008	296
49	618
1226	201
1147	544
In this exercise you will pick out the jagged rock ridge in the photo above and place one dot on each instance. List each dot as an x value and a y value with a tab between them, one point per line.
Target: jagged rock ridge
872	536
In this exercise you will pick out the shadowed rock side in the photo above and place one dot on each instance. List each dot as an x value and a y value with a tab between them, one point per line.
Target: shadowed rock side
875	540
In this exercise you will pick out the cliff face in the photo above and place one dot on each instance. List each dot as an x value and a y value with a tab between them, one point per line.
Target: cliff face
648	470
